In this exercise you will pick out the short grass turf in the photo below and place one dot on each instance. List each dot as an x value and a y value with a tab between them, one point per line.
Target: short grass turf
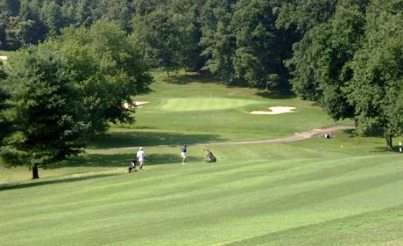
214	112
312	192
342	191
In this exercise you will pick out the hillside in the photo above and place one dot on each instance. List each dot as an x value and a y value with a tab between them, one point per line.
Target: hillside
339	191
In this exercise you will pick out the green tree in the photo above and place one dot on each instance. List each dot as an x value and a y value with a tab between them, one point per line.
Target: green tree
158	38
83	13
108	67
320	63
51	15
305	14
16	32
68	89
217	40
49	120
12	7
376	89
120	11
4	123
260	44
144	7
8	8
29	13
185	16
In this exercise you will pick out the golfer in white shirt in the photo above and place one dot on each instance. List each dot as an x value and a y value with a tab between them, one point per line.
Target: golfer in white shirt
140	157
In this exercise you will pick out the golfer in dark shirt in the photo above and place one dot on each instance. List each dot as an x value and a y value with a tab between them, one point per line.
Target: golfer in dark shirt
183	153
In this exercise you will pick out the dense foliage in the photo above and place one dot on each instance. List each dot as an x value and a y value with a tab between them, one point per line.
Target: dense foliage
49	120
350	60
237	41
320	63
344	54
66	90
376	88
4	123
31	21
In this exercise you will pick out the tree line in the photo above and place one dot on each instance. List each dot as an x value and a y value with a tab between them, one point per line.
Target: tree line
238	41
57	95
344	54
349	59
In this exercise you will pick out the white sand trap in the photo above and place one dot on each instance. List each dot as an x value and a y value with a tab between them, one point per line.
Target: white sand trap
276	110
133	105
4	58
140	103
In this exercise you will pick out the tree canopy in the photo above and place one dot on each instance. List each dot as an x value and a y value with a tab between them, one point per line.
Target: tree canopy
49	121
343	54
4	123
68	89
350	62
376	88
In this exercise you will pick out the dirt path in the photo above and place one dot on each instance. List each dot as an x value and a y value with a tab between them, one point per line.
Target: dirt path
297	137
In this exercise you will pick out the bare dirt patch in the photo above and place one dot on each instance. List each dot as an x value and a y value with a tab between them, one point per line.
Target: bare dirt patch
275	110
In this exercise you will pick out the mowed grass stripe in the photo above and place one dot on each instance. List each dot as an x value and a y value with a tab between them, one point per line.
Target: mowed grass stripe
231	171
203	174
193	198
369	228
312	192
139	218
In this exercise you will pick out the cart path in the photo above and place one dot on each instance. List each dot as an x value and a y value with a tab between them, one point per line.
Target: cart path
296	137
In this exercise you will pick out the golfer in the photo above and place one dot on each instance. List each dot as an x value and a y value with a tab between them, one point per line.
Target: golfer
183	153
140	157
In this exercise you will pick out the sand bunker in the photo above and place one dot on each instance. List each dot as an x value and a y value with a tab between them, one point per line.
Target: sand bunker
140	103
276	110
133	105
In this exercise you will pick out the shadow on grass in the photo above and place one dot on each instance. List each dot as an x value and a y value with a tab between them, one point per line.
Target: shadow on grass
279	94
150	138
121	160
350	133
315	231
96	160
383	149
183	79
13	186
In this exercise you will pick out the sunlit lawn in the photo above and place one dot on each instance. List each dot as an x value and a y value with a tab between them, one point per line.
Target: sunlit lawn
340	191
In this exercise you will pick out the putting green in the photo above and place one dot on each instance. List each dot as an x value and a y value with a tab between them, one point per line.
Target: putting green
205	103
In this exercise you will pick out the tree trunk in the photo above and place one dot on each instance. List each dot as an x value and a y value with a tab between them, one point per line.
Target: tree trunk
35	172
389	143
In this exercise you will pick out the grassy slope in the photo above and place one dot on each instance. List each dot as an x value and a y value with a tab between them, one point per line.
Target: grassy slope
254	194
343	191
160	123
184	106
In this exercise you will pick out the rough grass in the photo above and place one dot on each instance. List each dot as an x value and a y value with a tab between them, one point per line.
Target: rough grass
339	191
